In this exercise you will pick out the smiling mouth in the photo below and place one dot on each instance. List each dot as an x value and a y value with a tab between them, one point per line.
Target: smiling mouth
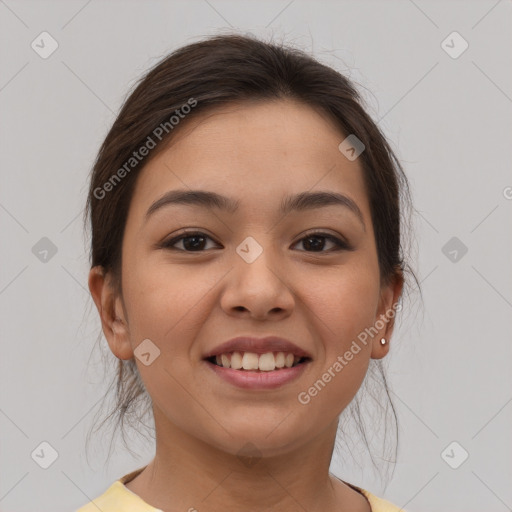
249	361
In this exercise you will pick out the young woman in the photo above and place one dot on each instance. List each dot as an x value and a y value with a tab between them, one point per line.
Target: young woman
247	267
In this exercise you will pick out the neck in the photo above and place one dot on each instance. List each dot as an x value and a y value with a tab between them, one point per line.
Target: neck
188	474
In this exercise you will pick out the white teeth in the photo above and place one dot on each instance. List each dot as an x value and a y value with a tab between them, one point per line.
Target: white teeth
251	361
224	360
236	361
267	362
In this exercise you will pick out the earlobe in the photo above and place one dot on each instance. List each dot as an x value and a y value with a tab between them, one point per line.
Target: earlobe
385	321
109	307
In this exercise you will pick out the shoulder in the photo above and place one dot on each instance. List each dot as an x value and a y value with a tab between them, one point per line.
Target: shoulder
117	498
377	504
380	504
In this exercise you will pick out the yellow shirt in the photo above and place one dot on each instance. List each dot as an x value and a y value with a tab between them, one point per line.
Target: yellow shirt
118	498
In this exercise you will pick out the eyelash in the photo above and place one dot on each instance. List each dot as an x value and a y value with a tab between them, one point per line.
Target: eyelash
340	244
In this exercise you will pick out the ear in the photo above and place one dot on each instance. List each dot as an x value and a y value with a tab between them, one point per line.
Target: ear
112	314
386	313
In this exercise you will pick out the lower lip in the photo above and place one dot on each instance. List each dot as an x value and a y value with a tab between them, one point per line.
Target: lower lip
249	379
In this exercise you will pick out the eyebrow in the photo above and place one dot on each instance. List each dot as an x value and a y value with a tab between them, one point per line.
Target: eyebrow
303	201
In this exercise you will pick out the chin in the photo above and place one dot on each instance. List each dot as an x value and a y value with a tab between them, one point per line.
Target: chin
262	440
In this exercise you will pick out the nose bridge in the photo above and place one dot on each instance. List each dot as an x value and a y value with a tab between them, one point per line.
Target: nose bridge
250	250
257	257
258	285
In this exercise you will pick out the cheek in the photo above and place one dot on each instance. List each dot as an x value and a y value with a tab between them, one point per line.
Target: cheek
345	301
163	299
164	305
344	306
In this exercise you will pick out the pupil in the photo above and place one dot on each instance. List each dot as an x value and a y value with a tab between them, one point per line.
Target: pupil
318	245
196	245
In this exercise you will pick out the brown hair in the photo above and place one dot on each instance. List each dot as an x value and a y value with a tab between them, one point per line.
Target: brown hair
212	73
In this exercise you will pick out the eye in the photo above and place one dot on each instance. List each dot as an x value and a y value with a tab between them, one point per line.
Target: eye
192	242
196	241
311	240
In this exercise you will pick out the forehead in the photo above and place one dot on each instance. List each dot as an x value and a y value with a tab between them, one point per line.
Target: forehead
256	153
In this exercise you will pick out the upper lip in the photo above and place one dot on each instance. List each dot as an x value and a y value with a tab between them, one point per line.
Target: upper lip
258	346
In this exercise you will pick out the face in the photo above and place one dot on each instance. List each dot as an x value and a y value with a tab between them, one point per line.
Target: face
309	275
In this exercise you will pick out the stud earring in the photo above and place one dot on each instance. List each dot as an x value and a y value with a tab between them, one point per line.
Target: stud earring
383	341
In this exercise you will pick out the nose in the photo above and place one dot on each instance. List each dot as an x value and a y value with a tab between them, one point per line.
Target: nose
260	288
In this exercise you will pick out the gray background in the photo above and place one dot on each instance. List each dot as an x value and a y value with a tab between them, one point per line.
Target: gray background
449	120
